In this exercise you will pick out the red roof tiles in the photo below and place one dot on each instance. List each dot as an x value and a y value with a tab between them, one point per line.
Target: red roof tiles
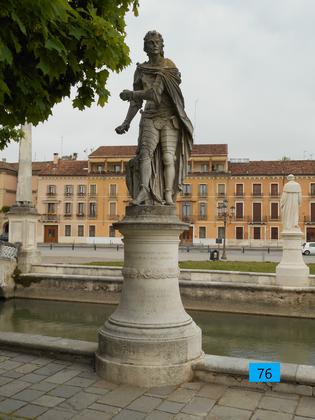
273	167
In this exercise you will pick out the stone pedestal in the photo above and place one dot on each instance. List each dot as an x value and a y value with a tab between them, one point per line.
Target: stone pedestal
22	229
149	340
292	270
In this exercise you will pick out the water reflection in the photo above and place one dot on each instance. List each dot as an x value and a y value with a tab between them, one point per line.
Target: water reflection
261	337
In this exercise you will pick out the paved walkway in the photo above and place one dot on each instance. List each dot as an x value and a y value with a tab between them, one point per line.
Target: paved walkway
47	389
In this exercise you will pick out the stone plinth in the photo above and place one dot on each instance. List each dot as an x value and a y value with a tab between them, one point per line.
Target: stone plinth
22	229
149	340
292	270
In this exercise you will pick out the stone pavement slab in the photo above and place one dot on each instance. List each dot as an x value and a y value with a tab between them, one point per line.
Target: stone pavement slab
65	390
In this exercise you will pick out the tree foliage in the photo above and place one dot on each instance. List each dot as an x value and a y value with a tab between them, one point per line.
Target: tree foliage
49	46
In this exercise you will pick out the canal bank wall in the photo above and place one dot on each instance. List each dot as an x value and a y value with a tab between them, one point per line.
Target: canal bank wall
208	290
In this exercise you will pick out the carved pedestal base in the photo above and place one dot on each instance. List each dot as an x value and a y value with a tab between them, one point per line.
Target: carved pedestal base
292	270
149	340
22	229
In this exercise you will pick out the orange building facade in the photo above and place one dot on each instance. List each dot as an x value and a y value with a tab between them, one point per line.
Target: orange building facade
78	201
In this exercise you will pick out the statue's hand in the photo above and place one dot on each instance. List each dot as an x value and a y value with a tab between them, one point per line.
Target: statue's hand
126	95
122	129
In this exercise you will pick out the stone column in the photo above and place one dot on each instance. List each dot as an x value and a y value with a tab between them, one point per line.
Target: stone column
23	215
149	340
292	270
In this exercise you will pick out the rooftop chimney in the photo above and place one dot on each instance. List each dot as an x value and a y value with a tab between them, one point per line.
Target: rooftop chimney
56	158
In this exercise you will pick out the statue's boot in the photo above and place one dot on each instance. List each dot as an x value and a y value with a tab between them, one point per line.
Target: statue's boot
142	196
168	197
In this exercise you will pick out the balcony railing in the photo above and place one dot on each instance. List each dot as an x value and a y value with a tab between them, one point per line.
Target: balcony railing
257	194
80	214
188	218
92	215
51	193
50	217
202	217
273	218
239	218
186	194
203	194
309	220
81	193
257	220
274	195
68	194
239	194
112	195
113	217
221	194
67	215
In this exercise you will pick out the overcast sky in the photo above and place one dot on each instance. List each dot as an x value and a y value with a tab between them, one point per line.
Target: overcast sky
248	78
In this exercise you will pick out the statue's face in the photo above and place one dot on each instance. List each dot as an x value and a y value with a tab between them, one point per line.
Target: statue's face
153	45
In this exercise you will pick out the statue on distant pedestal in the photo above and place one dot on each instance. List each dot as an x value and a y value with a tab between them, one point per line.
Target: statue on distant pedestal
290	203
155	175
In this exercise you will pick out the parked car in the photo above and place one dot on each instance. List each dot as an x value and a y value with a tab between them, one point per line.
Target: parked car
308	248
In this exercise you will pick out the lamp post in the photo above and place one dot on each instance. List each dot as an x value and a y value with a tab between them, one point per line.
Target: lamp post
226	213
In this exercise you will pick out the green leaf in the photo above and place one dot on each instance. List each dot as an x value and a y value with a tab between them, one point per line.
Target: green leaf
5	54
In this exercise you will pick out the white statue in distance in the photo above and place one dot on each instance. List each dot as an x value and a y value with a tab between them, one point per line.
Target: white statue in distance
290	203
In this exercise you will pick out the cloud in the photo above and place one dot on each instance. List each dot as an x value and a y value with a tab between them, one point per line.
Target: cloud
248	79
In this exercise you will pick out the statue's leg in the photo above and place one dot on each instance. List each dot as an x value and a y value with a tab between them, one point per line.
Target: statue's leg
169	140
148	143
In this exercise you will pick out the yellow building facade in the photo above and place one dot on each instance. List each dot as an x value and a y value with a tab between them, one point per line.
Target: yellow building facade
78	201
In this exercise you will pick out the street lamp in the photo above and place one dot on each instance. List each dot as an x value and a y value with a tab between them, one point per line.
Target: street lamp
226	213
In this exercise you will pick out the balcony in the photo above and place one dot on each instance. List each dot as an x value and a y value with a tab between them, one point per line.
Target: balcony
202	217
92	194
221	195
50	217
113	217
92	215
239	218
187	218
309	220
81	194
51	193
274	218
67	215
68	194
239	194
257	194
262	220
186	194
203	194
80	215
274	195
113	195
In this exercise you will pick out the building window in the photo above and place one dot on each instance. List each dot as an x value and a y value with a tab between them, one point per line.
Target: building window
68	208
274	211
80	230
67	230
257	190
256	232
239	210
221	190
203	191
68	190
92	209
204	167
113	190
93	189
218	167
220	232
99	168
257	213
81	209
239	232
186	189
202	232
51	190
239	190
274	190
312	188
112	209
202	211
274	233
92	231
51	208
81	189
112	232
186	209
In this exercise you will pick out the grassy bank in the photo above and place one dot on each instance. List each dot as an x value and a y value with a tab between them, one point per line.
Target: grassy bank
249	266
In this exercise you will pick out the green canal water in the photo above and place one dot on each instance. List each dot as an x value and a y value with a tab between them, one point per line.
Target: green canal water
260	337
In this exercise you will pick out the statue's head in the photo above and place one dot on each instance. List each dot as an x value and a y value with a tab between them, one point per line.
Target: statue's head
154	43
291	177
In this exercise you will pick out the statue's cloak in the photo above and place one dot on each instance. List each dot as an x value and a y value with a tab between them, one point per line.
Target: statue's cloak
171	80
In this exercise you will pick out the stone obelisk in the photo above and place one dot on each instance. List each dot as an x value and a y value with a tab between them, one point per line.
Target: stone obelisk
292	270
23	215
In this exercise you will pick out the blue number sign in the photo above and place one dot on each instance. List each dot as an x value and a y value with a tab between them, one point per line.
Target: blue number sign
264	372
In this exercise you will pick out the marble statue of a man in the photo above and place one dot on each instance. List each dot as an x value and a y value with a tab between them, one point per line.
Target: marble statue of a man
290	203
155	175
